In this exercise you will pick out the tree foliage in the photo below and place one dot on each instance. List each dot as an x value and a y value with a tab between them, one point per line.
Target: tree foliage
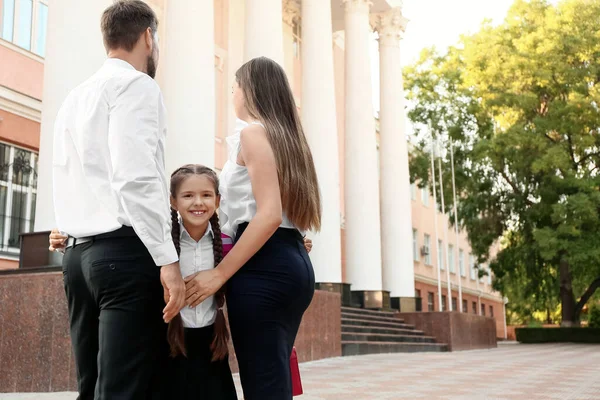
521	101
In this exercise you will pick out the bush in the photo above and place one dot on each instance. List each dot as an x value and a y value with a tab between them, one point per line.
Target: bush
534	323
594	319
558	335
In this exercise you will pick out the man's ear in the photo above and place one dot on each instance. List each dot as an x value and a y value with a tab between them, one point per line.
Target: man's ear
149	38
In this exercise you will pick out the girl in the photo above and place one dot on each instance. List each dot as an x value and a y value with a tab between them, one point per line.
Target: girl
199	367
270	195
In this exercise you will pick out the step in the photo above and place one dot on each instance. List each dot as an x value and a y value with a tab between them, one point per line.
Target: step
365	311
374	329
368	323
354	348
378	337
371	317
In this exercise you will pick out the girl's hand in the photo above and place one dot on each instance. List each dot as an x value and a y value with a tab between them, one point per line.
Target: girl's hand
57	240
202	285
308	244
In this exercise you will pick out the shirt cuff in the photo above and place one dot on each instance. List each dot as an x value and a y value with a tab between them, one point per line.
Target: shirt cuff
164	254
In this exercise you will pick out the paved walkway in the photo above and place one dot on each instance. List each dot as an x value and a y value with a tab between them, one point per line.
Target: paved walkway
561	372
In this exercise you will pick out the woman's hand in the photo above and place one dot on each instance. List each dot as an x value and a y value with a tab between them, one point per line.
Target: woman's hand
57	240
202	285
307	244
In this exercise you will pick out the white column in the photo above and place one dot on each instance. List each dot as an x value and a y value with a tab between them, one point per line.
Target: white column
235	54
189	75
264	30
320	125
363	234
74	51
396	220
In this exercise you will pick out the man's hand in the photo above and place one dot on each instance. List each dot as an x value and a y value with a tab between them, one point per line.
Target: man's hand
202	285
307	244
174	290
57	240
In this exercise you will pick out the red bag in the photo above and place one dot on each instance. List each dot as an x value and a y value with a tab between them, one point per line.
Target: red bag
296	381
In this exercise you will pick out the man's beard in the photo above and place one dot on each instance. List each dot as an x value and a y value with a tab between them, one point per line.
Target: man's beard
151	67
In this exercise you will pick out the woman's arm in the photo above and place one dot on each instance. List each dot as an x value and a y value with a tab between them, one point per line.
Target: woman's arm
259	159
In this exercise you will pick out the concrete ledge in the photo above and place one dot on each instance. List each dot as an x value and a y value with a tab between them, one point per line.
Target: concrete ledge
460	331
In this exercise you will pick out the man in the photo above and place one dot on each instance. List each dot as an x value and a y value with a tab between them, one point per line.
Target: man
111	199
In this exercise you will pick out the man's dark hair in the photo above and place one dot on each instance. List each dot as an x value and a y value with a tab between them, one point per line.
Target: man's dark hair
124	21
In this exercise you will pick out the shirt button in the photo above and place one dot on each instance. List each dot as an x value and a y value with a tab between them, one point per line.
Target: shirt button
112	266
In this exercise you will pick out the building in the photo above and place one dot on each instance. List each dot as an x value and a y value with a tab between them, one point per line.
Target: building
22	48
378	237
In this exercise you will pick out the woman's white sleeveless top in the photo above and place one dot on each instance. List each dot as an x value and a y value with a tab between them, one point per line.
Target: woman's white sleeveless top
237	200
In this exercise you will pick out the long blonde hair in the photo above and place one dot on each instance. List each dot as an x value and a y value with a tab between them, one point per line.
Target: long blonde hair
269	99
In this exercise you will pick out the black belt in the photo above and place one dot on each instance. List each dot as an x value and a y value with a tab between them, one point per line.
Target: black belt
124	231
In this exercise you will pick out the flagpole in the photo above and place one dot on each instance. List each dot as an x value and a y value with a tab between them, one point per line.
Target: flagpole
435	219
459	275
449	301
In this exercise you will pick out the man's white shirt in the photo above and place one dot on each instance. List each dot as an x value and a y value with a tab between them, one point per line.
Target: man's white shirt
109	159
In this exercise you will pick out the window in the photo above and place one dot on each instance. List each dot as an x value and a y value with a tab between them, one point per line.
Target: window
413	191
482	268
475	307
483	310
427	245
415	245
439	254
472	266
24	20
18	181
492	311
461	262
425	196
489	275
451	258
430	303
417	293
443	302
41	27
454	304
24	23
465	306
8	19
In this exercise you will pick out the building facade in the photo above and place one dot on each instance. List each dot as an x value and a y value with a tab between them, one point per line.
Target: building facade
22	50
378	237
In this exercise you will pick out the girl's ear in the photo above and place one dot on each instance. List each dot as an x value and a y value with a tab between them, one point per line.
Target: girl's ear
218	201
173	203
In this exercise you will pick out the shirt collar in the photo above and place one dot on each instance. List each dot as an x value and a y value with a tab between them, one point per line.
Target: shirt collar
185	235
117	62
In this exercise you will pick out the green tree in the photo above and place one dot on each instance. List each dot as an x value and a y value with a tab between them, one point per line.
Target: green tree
594	320
521	102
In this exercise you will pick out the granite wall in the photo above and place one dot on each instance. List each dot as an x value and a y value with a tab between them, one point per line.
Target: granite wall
460	331
35	349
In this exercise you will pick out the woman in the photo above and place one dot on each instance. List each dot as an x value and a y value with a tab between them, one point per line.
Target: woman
270	196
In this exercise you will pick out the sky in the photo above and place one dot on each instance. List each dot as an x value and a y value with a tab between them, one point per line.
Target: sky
438	23
441	22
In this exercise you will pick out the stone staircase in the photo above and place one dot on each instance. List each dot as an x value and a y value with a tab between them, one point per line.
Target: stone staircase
373	332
